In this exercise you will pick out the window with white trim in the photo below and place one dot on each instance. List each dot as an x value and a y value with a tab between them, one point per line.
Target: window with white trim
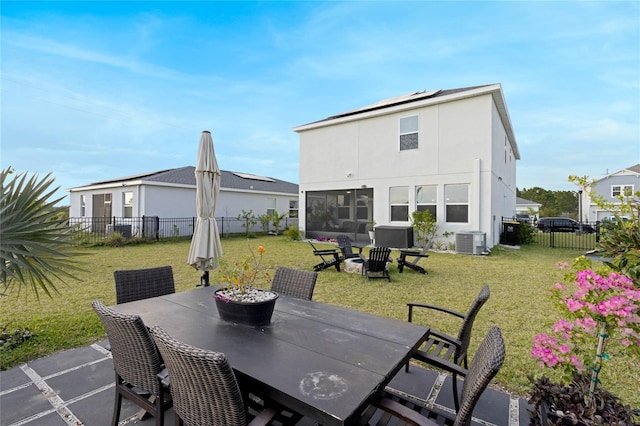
409	133
293	208
127	204
399	203
456	203
426	199
83	205
271	206
621	190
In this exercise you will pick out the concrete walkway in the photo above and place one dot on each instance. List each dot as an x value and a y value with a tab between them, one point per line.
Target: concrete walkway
76	388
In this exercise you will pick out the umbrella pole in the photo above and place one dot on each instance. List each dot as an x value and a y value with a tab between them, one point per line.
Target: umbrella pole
204	279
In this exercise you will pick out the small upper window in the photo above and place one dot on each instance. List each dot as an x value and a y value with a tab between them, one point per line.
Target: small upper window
409	133
621	190
83	205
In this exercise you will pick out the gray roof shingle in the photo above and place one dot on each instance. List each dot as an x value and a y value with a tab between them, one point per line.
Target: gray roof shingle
229	180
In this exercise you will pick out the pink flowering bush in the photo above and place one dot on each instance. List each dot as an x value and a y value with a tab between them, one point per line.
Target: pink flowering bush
597	308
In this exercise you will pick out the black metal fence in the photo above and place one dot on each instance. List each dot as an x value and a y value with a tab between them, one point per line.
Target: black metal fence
93	230
584	237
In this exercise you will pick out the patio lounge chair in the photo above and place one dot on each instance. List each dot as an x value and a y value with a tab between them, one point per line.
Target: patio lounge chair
396	408
344	242
447	352
417	255
136	284
377	263
294	282
204	387
333	258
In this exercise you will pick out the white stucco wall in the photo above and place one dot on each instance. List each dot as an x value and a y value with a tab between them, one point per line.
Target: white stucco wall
178	201
460	142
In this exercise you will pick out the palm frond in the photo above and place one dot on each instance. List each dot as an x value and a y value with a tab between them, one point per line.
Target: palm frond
35	241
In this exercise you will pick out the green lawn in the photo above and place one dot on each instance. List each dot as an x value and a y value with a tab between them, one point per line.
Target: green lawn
519	282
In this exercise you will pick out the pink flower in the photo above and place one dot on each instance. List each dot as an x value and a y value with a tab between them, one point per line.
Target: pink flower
576	362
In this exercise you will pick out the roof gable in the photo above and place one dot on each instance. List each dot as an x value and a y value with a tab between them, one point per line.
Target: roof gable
421	99
633	170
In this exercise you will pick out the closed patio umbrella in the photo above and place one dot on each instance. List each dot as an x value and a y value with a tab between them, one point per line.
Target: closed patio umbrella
205	245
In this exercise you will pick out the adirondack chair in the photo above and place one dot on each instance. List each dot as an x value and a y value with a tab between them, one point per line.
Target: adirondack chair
377	263
333	258
344	242
416	255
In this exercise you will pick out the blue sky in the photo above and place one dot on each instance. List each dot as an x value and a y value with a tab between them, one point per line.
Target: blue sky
98	90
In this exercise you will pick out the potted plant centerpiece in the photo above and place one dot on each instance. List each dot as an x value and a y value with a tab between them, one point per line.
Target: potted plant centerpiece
239	300
599	308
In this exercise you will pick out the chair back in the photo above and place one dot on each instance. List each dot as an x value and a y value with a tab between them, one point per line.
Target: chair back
344	242
485	365
135	356
203	386
378	258
294	282
136	284
464	336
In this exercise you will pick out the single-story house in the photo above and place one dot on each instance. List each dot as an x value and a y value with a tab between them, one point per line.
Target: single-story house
624	183
452	152
172	194
529	207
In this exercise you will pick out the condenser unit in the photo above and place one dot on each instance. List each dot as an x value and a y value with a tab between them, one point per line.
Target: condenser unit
471	242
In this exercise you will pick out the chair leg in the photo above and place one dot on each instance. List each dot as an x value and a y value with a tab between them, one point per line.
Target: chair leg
117	404
159	406
456	401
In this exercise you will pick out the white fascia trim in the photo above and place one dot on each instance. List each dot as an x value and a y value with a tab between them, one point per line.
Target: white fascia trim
252	191
128	183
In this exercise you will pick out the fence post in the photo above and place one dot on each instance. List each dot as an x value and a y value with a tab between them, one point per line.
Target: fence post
157	220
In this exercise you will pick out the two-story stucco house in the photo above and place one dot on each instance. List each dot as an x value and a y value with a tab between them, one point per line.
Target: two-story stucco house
172	194
452	152
624	182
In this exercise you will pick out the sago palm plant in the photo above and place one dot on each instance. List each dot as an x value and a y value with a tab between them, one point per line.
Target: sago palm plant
34	237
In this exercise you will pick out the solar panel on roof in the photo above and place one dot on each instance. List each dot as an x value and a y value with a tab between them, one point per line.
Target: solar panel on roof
253	177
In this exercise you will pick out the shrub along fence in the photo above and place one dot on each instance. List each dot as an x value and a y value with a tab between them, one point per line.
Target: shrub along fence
93	230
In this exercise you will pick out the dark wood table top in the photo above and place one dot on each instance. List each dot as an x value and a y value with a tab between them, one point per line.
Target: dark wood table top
320	360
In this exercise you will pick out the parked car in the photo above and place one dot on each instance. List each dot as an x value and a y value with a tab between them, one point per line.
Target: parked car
525	218
562	224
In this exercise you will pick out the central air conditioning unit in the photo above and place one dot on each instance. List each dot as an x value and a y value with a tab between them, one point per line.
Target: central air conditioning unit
472	242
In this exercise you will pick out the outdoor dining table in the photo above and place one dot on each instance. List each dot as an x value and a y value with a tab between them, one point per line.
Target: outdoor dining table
320	360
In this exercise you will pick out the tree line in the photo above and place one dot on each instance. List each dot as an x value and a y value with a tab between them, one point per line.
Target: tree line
554	203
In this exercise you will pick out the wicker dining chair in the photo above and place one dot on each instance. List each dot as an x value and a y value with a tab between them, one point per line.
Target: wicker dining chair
447	352
204	387
394	406
294	282
136	284
140	375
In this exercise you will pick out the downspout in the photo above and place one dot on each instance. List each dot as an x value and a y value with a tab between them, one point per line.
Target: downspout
475	196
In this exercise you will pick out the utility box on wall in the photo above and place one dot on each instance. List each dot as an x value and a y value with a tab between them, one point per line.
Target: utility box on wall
400	237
